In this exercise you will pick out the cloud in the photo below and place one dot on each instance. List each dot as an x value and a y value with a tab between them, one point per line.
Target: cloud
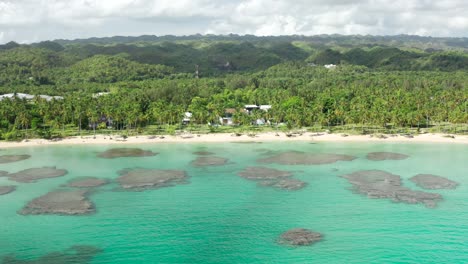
31	20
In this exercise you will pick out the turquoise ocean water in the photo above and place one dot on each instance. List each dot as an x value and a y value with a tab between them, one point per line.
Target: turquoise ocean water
220	217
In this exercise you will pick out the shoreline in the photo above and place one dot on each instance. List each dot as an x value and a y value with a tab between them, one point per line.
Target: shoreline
227	138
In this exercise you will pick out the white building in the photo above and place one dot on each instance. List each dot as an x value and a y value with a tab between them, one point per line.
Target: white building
29	96
187	118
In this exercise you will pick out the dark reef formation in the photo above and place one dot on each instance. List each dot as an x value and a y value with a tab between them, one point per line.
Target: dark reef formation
13	158
87	182
203	153
209	161
247	142
35	174
433	182
378	184
302	158
7	189
299	237
61	203
378	156
126	153
272	178
141	179
263	173
78	254
285	184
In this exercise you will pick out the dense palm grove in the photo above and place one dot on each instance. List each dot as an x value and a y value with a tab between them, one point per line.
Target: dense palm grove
154	84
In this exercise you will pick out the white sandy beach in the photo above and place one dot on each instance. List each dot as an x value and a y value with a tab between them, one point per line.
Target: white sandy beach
223	138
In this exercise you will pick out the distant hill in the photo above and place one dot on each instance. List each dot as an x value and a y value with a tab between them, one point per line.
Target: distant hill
115	59
409	41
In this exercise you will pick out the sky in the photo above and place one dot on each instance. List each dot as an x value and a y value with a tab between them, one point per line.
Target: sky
27	21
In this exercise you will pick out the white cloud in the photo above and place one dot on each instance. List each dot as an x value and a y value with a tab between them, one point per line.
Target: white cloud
51	19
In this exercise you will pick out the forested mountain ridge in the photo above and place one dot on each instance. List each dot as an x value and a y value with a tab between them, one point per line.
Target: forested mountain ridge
147	57
318	40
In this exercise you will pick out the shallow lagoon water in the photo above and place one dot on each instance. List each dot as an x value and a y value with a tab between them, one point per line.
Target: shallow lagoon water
219	217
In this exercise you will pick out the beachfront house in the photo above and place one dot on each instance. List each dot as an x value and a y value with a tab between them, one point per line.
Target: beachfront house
250	108
227	120
260	121
330	66
187	118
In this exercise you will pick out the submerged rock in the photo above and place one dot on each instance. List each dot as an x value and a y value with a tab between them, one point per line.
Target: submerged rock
7	189
299	237
263	173
285	184
247	142
126	153
209	161
433	182
272	178
142	179
378	184
301	158
87	182
3	173
203	153
13	158
76	254
260	150
60	202
378	156
35	174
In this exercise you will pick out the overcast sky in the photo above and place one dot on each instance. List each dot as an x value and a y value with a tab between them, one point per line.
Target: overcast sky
36	20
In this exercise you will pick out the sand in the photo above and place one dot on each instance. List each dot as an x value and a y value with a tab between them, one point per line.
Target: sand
224	137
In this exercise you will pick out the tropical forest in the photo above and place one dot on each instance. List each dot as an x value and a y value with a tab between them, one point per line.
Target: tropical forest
164	85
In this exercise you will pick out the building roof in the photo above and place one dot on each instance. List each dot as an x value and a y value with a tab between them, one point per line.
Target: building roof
100	94
29	96
251	106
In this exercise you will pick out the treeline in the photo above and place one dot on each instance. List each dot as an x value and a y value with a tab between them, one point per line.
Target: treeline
301	95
